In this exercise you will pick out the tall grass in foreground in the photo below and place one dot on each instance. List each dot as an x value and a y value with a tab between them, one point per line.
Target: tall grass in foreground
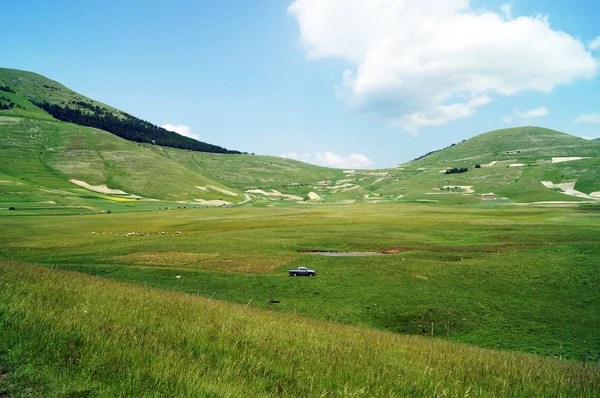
67	334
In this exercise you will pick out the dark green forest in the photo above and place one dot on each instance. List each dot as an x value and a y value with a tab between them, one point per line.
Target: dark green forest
128	127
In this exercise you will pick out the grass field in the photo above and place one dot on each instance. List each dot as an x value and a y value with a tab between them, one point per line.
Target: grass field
66	334
512	278
481	290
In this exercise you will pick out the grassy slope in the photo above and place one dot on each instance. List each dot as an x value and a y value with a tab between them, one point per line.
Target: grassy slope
46	152
33	86
268	173
242	171
532	146
531	142
62	337
97	157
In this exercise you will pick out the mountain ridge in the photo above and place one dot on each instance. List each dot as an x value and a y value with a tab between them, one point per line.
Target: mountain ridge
524	164
66	105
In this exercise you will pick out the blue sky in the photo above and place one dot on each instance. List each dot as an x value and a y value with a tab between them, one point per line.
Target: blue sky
343	83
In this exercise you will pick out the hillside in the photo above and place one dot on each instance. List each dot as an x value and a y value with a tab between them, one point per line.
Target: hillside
48	165
523	143
33	93
527	164
43	159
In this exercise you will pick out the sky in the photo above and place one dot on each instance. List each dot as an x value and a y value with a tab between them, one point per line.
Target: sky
339	83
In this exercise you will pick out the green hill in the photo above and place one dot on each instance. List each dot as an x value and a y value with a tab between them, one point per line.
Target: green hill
40	155
509	164
69	106
523	143
42	158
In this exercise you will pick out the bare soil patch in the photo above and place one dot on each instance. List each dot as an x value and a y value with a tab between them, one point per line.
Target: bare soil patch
334	253
251	263
213	202
98	188
275	193
395	250
226	192
314	196
566	159
164	258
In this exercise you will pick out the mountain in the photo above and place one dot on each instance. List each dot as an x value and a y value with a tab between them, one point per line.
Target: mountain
49	165
68	106
529	142
518	164
54	166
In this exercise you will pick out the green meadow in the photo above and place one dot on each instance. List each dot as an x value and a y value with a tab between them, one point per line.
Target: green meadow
508	280
67	334
130	269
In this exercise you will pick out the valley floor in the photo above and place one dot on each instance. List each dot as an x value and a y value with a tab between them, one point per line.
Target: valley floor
199	302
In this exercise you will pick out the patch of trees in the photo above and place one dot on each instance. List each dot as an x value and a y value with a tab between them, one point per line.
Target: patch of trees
52	88
6	104
128	127
94	108
6	89
457	170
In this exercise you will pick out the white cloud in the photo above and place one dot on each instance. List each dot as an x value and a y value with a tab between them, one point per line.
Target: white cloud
181	129
506	10
330	159
594	44
428	62
525	115
537	112
589	118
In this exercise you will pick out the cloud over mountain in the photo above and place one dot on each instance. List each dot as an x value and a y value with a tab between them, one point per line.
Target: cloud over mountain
588	118
428	62
181	129
330	159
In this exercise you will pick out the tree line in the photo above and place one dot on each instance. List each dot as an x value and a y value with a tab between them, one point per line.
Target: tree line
128	127
6	104
456	170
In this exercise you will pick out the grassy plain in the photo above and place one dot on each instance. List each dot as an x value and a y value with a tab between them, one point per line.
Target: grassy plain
66	334
506	278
